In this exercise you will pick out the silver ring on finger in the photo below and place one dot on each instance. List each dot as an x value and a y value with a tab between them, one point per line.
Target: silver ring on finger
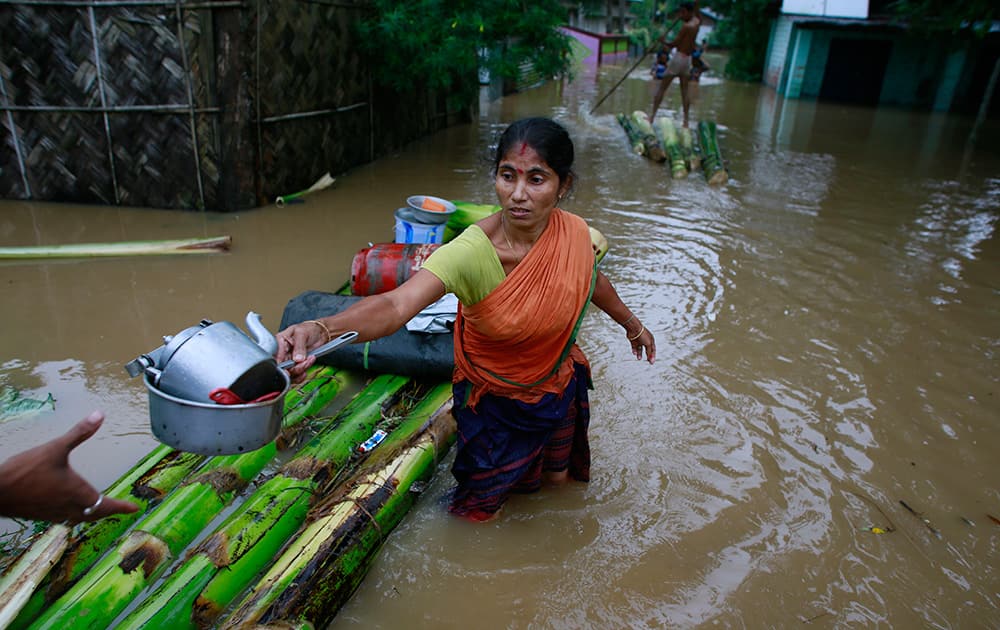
90	510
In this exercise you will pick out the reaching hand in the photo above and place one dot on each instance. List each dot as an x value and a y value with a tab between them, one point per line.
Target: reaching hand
295	342
40	484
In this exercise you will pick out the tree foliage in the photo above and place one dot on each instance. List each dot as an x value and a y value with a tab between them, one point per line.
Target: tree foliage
442	44
939	16
649	20
744	30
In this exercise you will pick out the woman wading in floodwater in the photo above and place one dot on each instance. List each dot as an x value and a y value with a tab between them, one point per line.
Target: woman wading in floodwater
524	277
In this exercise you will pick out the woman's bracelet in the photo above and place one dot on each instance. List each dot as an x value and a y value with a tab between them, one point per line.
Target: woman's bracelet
329	335
625	323
637	335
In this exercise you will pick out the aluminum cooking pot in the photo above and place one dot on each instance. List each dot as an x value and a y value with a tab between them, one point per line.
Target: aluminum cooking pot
200	359
207	428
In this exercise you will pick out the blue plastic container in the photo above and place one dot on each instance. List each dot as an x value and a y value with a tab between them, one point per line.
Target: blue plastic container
408	230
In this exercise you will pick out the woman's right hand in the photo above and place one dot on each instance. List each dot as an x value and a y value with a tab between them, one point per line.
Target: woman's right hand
295	342
372	317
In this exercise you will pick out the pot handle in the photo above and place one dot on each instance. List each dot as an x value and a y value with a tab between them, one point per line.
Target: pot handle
143	362
136	366
154	375
326	348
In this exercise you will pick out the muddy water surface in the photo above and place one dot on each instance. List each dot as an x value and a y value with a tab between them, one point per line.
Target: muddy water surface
828	327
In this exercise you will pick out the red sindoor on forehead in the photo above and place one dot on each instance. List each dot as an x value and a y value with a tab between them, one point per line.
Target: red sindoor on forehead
524	148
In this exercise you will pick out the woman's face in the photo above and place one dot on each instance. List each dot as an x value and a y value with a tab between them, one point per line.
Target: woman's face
526	187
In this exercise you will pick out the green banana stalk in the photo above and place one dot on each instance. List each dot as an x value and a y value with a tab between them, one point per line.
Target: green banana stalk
465	215
227	561
712	163
133	248
158	473
668	136
27	573
104	591
323	566
691	153
634	135
653	148
145	484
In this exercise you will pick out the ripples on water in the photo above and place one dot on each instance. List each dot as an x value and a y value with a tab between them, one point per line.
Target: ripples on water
827	344
826	337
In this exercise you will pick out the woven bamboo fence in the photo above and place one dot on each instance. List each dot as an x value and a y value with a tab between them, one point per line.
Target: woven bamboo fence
197	104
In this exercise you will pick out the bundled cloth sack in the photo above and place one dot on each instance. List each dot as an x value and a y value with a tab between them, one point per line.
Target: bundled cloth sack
437	318
414	354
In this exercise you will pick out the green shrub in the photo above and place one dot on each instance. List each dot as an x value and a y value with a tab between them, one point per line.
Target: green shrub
441	44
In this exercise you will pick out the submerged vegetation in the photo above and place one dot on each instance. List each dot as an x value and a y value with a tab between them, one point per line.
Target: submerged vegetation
443	44
13	405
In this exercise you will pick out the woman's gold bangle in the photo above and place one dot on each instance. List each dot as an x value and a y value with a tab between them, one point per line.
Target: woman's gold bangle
637	335
625	323
329	335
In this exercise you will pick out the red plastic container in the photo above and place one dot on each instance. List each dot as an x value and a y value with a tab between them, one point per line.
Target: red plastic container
384	266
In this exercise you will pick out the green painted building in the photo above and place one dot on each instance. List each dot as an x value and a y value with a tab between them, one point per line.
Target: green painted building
835	50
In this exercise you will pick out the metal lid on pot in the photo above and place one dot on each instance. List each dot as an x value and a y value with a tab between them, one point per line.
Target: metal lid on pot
172	344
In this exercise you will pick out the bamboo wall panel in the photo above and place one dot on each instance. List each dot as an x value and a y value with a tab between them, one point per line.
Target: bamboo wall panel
66	155
313	146
11	182
305	66
197	104
47	55
151	149
141	56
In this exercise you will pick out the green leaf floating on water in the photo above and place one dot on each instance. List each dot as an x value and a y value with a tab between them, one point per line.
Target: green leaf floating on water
13	405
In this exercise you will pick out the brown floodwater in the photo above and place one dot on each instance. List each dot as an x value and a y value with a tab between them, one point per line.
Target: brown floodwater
827	324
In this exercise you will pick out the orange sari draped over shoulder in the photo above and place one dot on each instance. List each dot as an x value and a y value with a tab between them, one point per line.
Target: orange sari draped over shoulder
519	341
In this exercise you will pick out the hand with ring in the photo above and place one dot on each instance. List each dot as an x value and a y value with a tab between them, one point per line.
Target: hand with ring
296	341
40	484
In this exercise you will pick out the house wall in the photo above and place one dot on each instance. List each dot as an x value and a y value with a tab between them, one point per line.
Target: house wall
950	78
797	63
827	8
774	68
916	75
583	20
908	70
591	41
614	49
603	48
816	64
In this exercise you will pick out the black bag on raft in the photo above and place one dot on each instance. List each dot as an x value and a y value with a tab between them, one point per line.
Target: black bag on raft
418	355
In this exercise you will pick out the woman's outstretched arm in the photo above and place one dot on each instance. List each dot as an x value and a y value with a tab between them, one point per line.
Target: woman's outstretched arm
373	317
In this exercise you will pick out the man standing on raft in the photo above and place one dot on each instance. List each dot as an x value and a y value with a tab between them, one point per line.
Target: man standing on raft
680	62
